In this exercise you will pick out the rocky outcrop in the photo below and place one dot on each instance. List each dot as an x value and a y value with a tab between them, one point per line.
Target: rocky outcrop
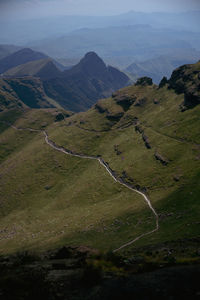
116	149
100	108
163	82
114	117
186	80
124	100
145	138
160	158
143	81
126	179
146	141
139	129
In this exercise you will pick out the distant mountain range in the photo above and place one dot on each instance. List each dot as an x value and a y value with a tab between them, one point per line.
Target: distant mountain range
163	65
43	28
119	46
40	83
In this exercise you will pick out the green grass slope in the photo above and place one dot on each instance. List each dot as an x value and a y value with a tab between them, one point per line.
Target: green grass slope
49	199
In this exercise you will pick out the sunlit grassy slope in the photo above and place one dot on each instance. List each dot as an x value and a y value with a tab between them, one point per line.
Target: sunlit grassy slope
49	199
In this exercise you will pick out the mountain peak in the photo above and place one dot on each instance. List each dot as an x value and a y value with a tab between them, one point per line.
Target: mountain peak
91	64
92	58
91	54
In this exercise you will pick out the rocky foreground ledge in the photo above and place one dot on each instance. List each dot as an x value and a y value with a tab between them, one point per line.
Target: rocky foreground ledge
83	273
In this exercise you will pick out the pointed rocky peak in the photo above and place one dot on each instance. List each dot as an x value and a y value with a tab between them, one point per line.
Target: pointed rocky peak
92	65
92	57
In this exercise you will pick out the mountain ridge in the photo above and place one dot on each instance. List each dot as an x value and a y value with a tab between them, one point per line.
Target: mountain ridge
43	68
86	82
76	89
20	57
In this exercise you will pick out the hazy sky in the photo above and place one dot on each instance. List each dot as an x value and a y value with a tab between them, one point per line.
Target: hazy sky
37	8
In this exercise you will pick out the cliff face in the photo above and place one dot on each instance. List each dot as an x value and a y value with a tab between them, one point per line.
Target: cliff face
186	79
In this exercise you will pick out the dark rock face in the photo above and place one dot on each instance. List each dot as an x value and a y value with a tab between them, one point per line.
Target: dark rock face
145	138
116	149
146	141
144	81
138	129
186	79
163	82
124	100
160	158
115	117
100	109
59	117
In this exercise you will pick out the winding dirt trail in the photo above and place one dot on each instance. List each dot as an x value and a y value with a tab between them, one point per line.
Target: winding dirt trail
111	173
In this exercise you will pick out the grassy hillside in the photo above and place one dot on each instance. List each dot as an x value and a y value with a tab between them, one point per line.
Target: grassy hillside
49	199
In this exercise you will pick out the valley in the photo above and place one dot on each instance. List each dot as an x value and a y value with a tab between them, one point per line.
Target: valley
99	150
139	130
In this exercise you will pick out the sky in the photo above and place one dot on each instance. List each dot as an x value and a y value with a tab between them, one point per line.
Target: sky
21	9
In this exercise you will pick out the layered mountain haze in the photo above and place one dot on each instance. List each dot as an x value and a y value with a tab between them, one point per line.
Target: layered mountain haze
75	89
43	68
163	65
120	45
38	29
